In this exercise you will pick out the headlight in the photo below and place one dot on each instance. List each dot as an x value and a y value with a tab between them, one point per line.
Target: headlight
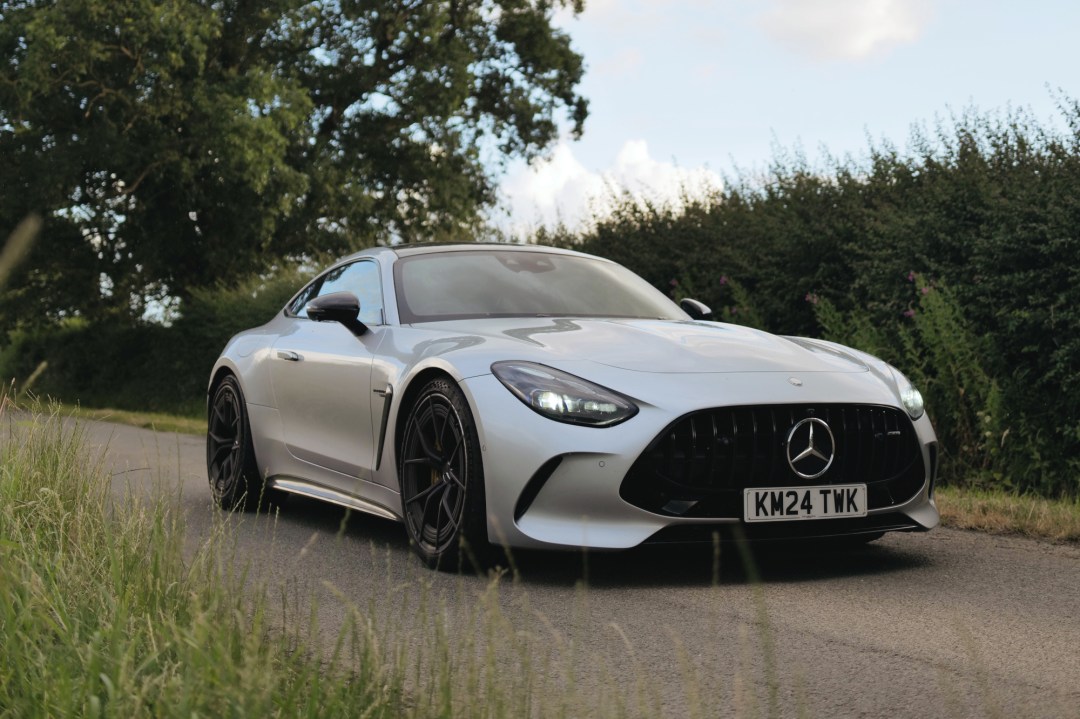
910	397
563	397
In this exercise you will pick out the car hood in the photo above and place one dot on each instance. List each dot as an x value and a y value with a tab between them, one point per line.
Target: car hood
659	346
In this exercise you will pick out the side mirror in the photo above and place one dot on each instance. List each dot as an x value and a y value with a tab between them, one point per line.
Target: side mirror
343	307
696	310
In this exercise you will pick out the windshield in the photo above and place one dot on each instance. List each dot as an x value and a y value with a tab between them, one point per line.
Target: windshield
512	283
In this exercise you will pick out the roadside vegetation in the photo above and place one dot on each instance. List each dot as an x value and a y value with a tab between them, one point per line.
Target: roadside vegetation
100	614
998	512
157	421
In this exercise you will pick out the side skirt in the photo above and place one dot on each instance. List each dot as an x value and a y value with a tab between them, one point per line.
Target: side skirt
333	496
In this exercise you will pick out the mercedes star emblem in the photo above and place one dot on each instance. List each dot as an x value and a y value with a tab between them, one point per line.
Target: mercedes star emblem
810	448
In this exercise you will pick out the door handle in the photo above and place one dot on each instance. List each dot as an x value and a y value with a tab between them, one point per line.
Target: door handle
288	355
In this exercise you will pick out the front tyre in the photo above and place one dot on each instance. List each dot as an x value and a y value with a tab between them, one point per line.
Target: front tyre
235	482
442	478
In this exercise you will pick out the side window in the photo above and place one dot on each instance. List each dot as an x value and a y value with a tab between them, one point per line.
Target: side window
360	278
296	307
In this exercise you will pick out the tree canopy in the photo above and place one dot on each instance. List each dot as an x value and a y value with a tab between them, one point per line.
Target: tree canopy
173	144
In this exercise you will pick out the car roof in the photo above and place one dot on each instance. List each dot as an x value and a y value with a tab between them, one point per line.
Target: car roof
408	250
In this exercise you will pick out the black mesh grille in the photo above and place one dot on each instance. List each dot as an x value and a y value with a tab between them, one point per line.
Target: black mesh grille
700	464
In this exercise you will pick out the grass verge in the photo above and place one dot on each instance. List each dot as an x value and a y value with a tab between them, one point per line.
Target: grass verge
147	420
101	615
1005	513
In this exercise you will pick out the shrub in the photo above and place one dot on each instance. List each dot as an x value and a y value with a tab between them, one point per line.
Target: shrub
147	366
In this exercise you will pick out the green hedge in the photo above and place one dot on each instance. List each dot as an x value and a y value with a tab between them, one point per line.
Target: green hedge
146	366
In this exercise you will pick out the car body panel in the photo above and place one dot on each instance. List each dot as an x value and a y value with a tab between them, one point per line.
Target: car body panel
310	364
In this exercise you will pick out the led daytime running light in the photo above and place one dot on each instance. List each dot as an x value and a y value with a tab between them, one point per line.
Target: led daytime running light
563	397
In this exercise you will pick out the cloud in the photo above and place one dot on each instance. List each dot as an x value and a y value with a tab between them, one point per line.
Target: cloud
846	29
623	63
561	189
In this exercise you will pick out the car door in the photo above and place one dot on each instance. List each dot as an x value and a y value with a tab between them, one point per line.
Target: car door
321	373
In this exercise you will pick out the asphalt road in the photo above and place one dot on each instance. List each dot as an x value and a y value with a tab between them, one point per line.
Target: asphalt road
947	623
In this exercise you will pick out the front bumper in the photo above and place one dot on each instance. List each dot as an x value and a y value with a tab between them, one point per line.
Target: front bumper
552	485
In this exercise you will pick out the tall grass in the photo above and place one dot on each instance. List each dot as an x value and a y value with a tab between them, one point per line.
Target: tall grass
100	614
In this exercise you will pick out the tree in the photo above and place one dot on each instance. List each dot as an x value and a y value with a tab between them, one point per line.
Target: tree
172	144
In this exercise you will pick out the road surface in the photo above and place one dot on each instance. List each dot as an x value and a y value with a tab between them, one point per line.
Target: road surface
947	623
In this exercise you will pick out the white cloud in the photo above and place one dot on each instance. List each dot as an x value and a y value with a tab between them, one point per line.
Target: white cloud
846	29
561	189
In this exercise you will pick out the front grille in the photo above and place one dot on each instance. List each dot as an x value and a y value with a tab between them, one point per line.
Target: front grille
700	464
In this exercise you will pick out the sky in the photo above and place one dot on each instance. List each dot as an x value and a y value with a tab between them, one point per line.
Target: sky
683	92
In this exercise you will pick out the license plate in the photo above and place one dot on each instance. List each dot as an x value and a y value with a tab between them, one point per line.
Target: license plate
775	504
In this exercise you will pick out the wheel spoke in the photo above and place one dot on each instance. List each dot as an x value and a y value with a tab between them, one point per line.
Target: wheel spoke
427	504
220	448
424	494
450	459
227	466
421	460
453	476
220	439
219	413
449	509
426	448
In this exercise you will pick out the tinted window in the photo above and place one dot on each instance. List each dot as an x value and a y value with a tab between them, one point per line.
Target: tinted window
508	283
360	278
296	307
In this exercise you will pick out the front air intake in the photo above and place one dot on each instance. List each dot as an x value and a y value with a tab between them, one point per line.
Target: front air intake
700	464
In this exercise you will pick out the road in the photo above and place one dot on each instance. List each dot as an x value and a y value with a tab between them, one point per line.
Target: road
947	623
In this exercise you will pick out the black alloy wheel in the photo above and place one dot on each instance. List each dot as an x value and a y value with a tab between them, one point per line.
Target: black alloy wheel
442	480
230	455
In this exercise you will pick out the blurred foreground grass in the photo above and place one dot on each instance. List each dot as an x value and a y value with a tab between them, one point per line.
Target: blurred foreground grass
102	615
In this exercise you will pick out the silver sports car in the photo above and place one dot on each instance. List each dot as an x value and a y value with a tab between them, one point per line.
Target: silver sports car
534	397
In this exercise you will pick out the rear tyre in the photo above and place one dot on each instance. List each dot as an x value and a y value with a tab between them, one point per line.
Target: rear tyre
235	482
442	480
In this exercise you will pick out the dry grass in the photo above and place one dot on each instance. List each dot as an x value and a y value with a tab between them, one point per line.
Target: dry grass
147	420
1003	513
